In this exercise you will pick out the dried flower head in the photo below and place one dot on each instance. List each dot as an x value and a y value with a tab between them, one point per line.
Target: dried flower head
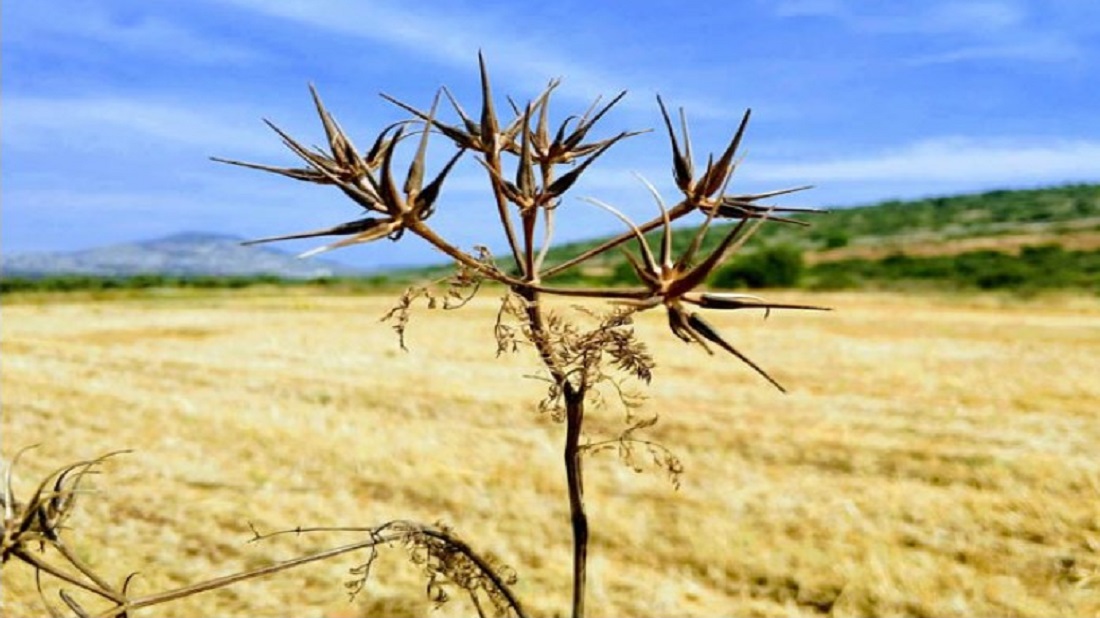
707	193
357	176
673	283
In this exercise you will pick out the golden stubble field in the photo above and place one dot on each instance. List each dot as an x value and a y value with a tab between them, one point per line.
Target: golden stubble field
936	456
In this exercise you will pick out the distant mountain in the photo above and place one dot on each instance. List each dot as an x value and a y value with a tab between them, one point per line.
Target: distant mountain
183	254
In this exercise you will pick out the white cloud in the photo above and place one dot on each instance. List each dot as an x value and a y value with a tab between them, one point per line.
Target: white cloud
527	58
449	38
941	160
968	17
104	123
1048	49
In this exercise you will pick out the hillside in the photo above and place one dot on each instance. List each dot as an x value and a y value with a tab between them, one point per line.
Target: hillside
844	247
1021	240
1063	215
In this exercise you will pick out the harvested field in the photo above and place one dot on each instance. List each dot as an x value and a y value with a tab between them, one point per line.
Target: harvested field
935	456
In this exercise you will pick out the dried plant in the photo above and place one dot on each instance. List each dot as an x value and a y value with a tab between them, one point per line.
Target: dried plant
34	526
33	536
586	353
674	283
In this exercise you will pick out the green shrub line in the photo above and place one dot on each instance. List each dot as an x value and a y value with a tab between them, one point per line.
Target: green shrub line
1060	209
1055	210
97	283
1040	267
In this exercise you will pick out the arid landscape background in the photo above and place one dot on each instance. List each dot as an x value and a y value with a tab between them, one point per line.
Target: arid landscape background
936	454
921	168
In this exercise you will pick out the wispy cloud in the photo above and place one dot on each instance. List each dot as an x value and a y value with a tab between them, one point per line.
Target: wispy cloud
973	18
809	8
34	123
1008	161
444	36
524	56
933	17
57	27
111	108
1046	50
966	30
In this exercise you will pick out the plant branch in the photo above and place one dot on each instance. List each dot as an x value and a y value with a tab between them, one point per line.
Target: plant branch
229	580
422	230
677	211
87	571
399	530
608	294
492	159
38	563
546	170
547	237
529	220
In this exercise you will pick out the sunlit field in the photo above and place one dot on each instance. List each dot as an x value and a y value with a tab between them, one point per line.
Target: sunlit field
935	456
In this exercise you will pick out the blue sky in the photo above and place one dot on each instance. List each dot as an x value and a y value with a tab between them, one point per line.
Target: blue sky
110	109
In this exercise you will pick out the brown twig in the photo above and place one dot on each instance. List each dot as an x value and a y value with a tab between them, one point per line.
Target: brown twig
574	474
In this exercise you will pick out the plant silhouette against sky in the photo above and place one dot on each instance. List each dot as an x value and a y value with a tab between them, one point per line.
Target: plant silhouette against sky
530	166
529	191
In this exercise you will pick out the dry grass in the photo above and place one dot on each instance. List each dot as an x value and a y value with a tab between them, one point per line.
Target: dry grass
936	456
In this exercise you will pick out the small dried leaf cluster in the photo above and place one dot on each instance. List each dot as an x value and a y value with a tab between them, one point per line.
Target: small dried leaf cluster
510	322
32	536
590	357
446	561
626	446
447	566
450	292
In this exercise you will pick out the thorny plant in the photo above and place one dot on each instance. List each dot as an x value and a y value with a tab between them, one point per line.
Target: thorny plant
584	354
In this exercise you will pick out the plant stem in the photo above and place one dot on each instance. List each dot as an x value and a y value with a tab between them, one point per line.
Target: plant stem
229	580
574	409
124	606
574	396
574	474
574	477
492	159
86	570
41	564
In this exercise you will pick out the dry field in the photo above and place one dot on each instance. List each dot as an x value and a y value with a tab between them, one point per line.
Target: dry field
936	456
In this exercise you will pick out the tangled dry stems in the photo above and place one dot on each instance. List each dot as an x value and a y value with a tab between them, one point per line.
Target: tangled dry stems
33	536
584	355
